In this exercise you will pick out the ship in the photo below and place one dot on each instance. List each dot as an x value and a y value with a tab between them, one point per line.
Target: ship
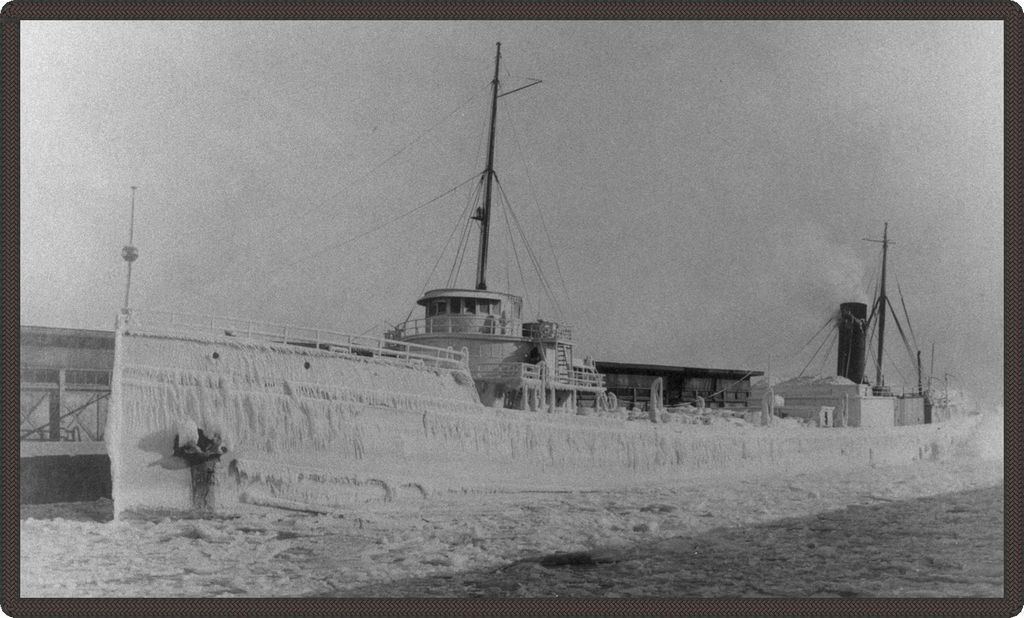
220	414
849	397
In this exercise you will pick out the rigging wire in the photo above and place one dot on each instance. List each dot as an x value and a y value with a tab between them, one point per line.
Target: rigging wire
508	275
905	313
453	272
512	243
367	331
466	235
871	353
261	101
891	364
816	352
833	336
899	328
322	203
460	255
371	230
460	250
443	248
545	285
440	256
898	372
533	195
824	348
877	282
870	336
387	159
815	335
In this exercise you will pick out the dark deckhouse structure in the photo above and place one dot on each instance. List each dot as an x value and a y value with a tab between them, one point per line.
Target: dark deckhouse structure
631	383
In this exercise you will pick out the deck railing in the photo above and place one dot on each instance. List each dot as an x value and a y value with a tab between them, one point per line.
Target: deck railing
547	330
587	378
897	390
459	324
528	371
508	371
304	336
481	324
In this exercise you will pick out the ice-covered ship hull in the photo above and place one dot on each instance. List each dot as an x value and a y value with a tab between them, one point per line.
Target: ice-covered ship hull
323	423
288	406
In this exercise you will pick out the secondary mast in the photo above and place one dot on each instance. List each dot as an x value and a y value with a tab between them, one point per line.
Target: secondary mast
881	303
130	254
485	216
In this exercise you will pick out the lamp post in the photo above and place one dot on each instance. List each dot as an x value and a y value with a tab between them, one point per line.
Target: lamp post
130	253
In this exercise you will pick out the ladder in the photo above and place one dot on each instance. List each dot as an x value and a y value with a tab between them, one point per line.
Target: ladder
563	362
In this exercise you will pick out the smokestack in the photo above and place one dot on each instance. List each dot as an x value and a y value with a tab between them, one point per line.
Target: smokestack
852	339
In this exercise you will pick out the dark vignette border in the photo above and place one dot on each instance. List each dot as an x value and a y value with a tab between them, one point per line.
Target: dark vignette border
12	14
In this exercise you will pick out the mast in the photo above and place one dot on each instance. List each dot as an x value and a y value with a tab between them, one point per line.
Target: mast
485	216
129	252
881	303
881	306
931	369
919	388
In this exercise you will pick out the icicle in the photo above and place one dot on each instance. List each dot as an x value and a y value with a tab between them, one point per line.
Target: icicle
324	434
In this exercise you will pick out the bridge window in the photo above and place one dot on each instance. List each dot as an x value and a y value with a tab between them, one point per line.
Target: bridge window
437	307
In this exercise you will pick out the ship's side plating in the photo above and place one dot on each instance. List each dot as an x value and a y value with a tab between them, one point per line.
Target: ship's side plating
279	398
319	423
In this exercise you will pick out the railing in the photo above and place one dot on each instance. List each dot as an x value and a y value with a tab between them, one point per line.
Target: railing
480	324
896	390
508	371
587	378
547	330
529	371
309	337
459	324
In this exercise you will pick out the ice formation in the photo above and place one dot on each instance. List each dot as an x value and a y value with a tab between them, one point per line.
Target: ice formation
329	430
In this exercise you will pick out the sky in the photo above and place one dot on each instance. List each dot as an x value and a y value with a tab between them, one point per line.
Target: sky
695	193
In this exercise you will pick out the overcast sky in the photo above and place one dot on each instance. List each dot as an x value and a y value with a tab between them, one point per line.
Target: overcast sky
695	192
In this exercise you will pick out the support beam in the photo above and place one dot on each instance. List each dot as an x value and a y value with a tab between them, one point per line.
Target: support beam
56	402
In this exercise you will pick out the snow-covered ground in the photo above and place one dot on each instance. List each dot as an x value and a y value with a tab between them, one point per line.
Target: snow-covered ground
75	550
